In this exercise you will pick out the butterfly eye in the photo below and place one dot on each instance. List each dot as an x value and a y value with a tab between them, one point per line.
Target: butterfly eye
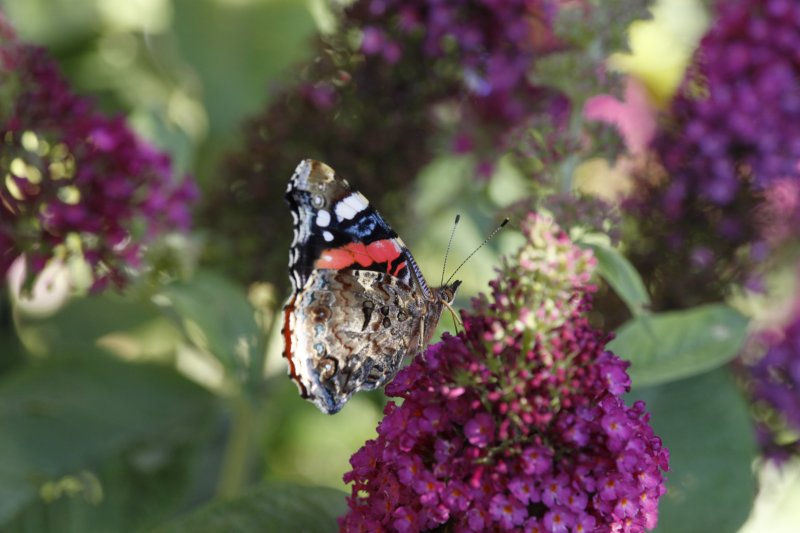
317	201
327	368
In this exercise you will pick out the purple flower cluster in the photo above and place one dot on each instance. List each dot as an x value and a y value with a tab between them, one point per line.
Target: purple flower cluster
503	428
494	43
738	117
731	136
775	387
77	183
487	47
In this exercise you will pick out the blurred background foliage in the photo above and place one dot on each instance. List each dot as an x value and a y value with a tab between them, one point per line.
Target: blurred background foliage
122	412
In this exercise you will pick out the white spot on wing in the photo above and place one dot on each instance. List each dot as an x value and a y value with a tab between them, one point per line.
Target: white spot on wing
327	235
323	218
362	198
344	211
357	201
350	206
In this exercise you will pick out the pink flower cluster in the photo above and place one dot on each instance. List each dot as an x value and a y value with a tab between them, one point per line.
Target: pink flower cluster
778	215
509	429
77	182
541	286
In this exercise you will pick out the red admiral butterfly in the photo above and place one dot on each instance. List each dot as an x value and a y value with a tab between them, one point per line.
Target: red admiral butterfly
360	303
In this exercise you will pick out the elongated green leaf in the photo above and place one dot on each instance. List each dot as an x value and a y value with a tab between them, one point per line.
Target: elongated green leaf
272	507
218	319
619	273
674	345
68	414
704	423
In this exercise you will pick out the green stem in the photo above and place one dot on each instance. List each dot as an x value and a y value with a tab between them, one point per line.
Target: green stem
236	460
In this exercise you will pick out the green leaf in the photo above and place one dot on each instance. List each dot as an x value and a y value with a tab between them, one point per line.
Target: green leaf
620	274
52	23
271	507
704	422
134	490
217	317
121	324
67	414
11	351
670	346
235	78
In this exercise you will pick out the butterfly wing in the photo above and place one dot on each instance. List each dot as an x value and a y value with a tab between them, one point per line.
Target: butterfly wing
349	330
335	227
360	303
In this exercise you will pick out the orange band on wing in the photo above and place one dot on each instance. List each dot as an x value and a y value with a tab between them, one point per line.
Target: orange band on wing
398	268
383	251
288	350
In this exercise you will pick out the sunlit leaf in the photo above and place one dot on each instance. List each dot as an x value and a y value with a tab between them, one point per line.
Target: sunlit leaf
52	22
674	345
661	48
125	326
217	317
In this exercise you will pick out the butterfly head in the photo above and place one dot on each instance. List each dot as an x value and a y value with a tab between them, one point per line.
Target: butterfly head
447	293
443	299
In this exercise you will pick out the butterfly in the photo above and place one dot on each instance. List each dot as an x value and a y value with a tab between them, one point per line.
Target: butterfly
359	302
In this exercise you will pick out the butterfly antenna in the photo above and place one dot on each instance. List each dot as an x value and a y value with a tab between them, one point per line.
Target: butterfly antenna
486	240
452	232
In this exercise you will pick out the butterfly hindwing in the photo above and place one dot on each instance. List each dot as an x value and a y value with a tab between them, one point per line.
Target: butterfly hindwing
354	327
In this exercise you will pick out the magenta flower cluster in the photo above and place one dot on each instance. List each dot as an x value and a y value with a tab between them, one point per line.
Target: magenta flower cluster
738	117
503	428
775	385
77	182
489	47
